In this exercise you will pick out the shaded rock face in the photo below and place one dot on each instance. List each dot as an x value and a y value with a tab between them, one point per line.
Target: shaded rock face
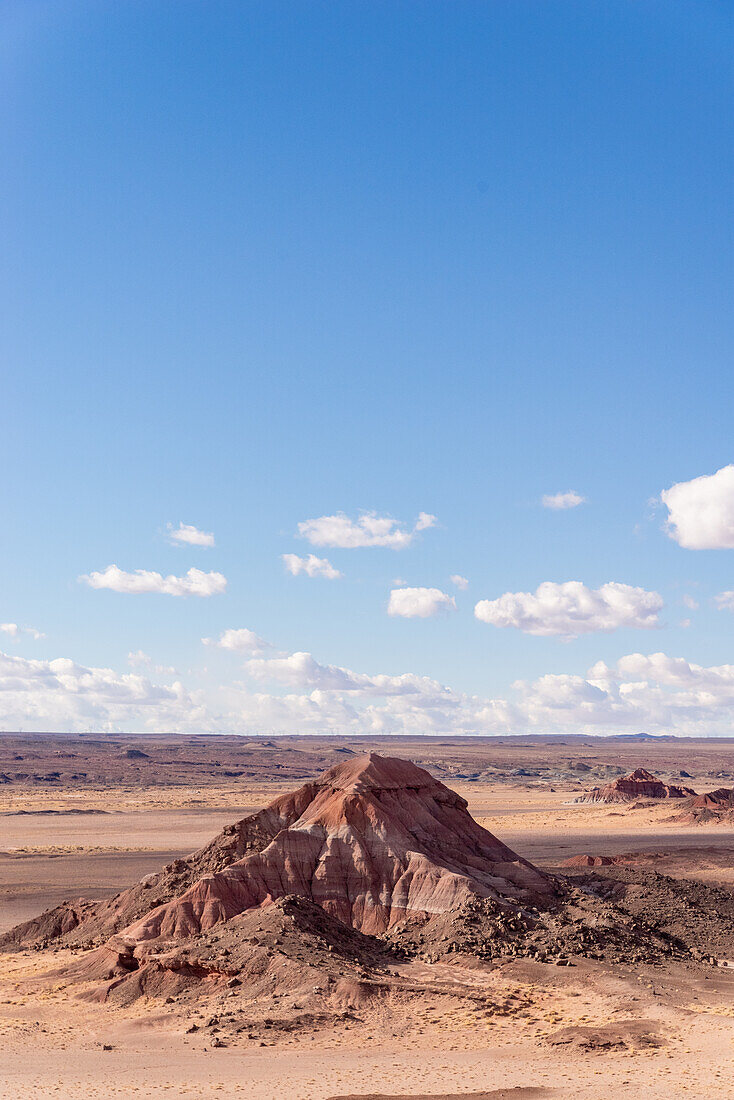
639	784
373	842
711	808
720	799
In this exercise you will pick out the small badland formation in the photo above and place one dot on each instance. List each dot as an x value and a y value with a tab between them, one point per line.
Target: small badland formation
316	900
638	784
713	808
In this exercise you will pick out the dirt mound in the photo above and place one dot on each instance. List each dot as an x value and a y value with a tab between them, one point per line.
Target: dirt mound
292	946
638	784
374	841
692	916
621	1035
623	859
712	808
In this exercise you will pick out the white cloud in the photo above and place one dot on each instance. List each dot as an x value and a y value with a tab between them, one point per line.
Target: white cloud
690	603
571	609
142	660
369	529
14	630
725	601
654	693
303	670
419	603
701	512
461	582
311	566
193	583
190	535
138	659
241	639
562	501
61	694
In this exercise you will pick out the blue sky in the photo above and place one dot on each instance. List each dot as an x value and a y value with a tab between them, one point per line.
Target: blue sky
266	263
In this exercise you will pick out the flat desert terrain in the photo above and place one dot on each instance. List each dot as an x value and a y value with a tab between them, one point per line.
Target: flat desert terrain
88	817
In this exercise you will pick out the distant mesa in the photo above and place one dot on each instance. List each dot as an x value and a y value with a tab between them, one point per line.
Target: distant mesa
638	784
135	754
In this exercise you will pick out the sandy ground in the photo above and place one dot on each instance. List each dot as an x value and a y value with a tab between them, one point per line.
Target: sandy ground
53	1045
437	1049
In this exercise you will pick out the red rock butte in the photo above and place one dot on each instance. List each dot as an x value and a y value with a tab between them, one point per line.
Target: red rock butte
373	842
638	784
711	808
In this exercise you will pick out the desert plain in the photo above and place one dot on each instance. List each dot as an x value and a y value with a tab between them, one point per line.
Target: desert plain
432	1015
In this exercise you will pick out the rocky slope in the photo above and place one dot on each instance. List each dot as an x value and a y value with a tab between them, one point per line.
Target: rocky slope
374	841
638	784
712	808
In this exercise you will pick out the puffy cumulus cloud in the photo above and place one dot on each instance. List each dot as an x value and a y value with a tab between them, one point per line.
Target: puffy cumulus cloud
725	601
419	603
701	511
658	668
690	603
342	532
653	692
189	535
15	631
240	639
303	670
571	609
139	659
193	583
311	566
61	694
460	582
640	692
560	502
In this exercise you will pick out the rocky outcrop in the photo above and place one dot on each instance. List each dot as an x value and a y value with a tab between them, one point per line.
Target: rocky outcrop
712	808
373	842
639	784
